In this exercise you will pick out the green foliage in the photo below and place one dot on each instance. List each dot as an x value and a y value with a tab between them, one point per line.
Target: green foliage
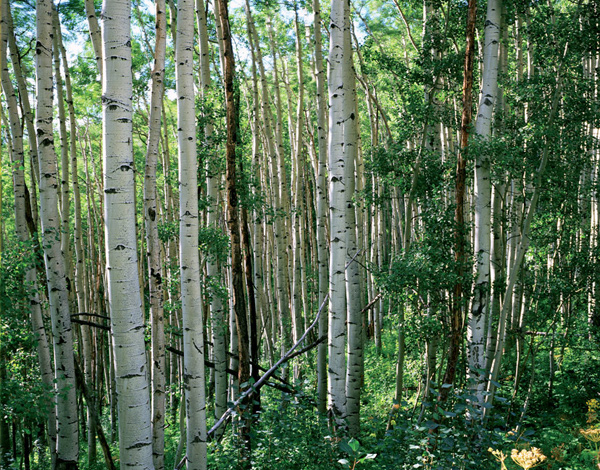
214	244
23	397
355	454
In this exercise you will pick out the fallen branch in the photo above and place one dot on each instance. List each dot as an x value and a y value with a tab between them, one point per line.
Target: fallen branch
371	303
263	379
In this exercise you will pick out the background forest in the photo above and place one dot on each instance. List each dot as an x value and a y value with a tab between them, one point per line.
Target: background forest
297	235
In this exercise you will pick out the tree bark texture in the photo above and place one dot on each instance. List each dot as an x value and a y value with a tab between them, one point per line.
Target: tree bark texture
125	305
67	444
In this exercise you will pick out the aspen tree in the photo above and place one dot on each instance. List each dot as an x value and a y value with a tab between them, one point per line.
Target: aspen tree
29	121
258	216
342	142
153	251
297	165
191	299
127	320
67	445
77	270
65	200
479	315
95	33
354	323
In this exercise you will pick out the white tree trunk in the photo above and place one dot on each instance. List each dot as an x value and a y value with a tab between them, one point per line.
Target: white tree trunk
321	193
153	251
191	299
67	445
476	327
341	141
125	305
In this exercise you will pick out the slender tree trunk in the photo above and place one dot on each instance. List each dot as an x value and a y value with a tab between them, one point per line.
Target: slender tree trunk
153	253
233	223
95	33
282	227
460	254
191	299
125	305
342	149
78	270
29	121
321	191
65	201
297	188
479	315
354	370
67	445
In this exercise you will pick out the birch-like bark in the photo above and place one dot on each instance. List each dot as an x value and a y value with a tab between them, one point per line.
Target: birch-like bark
354	368
153	251
27	117
78	269
125	305
65	201
297	165
479	315
95	33
67	445
339	92
191	298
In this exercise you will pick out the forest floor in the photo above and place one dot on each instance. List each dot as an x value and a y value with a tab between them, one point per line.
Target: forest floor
565	426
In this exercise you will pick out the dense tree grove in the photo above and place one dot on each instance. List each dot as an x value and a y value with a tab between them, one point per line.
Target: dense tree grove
298	235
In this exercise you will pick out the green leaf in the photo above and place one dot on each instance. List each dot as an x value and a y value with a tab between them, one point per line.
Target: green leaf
354	444
345	447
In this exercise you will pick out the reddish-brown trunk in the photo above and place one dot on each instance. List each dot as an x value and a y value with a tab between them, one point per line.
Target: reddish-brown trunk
233	223
456	322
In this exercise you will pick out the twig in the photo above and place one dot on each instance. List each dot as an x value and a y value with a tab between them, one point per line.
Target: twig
89	315
89	323
371	303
